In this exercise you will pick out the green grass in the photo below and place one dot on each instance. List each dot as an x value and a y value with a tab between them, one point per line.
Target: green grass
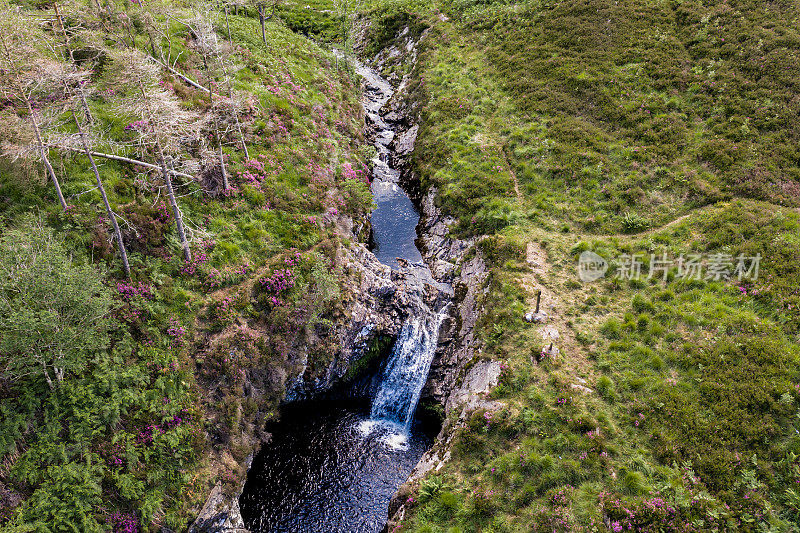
204	326
622	128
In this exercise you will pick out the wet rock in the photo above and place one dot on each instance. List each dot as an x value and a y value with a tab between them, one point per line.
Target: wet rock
453	357
394	117
378	303
385	292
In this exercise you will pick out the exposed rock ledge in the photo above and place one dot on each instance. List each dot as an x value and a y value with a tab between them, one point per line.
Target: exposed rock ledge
219	514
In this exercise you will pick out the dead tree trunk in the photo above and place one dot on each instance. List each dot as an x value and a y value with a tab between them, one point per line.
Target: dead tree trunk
84	103
117	233
228	25
39	142
43	155
185	78
221	157
187	252
235	113
261	20
238	124
131	161
215	120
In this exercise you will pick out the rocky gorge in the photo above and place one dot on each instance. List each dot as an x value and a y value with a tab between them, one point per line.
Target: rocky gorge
381	297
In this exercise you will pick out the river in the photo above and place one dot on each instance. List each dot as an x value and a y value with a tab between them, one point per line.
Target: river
333	467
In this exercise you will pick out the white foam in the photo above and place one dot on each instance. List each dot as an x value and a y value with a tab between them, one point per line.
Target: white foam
395	441
390	434
365	427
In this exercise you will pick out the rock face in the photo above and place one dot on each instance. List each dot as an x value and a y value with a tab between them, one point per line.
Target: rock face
220	514
444	255
377	304
457	344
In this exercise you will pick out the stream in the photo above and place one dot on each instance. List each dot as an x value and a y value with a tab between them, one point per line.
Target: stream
333	467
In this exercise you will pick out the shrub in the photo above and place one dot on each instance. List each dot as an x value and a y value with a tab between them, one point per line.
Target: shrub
605	388
733	412
53	310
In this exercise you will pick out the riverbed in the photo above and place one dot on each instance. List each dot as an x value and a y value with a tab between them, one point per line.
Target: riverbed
333	467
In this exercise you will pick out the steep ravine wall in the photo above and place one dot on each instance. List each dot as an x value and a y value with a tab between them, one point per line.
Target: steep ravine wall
377	301
374	307
459	377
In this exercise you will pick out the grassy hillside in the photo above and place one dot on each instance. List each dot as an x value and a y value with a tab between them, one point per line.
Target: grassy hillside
555	128
147	420
549	129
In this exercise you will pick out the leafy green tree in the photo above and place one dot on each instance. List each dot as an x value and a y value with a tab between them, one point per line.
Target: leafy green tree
53	310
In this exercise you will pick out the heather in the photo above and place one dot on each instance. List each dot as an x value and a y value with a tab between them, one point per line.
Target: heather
624	129
142	417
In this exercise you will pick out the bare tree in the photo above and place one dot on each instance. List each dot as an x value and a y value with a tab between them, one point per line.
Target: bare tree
208	45
221	69
261	7
24	77
156	19
63	32
236	103
74	81
227	21
347	9
163	126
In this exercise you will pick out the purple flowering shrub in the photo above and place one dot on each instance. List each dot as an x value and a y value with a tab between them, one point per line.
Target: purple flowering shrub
688	508
124	522
276	289
224	311
556	514
134	298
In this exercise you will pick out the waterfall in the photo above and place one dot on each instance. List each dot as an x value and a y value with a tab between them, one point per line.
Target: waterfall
394	227
407	369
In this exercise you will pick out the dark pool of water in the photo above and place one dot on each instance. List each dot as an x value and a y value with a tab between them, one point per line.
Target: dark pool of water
394	224
328	469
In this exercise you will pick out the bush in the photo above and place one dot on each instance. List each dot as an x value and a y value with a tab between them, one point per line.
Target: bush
734	410
53	310
605	388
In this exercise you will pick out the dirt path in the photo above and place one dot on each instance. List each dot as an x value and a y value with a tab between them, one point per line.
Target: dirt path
554	329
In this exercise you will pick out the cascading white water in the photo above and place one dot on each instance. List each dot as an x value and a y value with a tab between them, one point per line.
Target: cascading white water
407	370
394	224
329	468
